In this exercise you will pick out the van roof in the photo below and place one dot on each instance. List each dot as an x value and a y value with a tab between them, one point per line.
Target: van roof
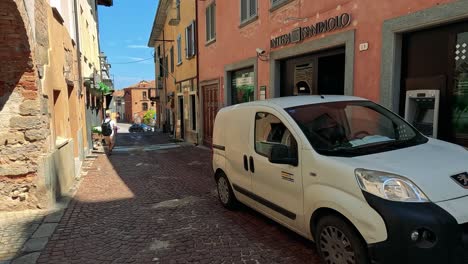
292	101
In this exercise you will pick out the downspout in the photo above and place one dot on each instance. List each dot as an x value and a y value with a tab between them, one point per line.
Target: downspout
96	15
85	128
168	123
197	66
78	50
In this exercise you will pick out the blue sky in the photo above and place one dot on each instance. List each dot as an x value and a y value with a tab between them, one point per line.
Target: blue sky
124	31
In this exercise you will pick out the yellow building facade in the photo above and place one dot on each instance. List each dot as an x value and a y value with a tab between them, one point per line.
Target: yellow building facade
173	38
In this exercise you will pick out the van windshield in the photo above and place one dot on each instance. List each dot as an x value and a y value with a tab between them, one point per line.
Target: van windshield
353	128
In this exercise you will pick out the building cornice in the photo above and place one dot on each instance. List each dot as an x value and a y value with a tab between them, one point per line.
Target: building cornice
105	2
159	21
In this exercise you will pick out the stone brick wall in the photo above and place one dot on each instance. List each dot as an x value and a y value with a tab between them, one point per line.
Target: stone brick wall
23	125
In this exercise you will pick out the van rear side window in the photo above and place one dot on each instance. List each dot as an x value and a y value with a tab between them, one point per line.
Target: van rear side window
269	131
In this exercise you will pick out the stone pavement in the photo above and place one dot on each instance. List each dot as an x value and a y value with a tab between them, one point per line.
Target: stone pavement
24	234
15	229
160	206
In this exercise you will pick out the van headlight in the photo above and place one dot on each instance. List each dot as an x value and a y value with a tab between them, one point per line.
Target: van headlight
389	186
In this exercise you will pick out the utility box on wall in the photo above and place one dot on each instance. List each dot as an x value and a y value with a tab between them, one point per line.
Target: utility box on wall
422	110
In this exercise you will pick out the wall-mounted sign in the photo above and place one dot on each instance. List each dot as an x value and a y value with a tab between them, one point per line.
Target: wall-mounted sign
301	33
248	80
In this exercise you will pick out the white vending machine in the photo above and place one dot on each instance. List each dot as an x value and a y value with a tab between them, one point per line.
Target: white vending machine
422	110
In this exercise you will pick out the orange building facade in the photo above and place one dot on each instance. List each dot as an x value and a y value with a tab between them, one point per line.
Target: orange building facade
137	101
380	50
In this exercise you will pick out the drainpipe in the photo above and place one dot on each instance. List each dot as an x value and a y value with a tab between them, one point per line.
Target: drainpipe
84	131
78	50
165	77
197	67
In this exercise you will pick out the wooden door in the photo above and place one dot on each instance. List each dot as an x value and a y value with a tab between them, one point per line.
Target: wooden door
210	108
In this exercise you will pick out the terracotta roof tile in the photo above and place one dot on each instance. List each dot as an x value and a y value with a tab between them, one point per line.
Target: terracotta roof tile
144	84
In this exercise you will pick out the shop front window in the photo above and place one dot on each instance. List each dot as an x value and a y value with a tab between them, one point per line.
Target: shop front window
460	91
243	86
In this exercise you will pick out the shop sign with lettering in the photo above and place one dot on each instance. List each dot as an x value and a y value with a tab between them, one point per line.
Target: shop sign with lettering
301	33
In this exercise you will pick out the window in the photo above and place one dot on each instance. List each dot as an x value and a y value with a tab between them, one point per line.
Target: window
178	8
172	59
190	40
160	62
210	22
270	131
248	10
145	106
193	112
353	128
179	49
242	85
144	95
275	3
166	67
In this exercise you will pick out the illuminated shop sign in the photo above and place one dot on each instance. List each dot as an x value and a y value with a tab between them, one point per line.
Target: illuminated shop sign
301	33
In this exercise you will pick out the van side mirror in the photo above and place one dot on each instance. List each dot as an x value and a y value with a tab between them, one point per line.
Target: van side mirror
280	155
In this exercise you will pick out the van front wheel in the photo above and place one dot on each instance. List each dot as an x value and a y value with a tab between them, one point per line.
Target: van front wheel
225	194
337	242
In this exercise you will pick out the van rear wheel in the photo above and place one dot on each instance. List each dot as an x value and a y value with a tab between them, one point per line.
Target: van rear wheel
337	242
225	193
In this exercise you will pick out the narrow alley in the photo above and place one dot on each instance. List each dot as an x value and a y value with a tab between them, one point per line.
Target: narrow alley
156	202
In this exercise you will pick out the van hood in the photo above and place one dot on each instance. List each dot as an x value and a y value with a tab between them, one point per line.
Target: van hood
430	166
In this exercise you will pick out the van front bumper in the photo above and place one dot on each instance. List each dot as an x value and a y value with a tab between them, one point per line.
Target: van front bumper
418	233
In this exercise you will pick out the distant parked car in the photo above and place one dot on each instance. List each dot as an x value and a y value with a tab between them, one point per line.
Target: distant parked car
146	128
139	128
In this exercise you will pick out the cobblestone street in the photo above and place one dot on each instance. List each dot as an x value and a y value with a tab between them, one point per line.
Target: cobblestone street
160	206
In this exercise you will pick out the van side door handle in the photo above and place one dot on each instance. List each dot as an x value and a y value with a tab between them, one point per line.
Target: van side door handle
246	165
252	167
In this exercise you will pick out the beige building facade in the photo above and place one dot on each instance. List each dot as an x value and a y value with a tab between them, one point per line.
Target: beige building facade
173	38
42	102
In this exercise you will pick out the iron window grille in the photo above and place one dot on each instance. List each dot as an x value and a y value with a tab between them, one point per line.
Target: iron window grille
248	10
278	3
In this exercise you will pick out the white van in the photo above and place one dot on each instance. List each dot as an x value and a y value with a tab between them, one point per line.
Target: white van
345	172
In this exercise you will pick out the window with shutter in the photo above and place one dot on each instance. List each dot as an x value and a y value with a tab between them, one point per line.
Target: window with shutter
186	43
166	66
210	23
178	8
179	49
248	10
192	33
190	40
172	59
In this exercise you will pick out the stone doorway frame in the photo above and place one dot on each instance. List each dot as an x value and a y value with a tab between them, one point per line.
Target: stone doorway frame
392	38
345	39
